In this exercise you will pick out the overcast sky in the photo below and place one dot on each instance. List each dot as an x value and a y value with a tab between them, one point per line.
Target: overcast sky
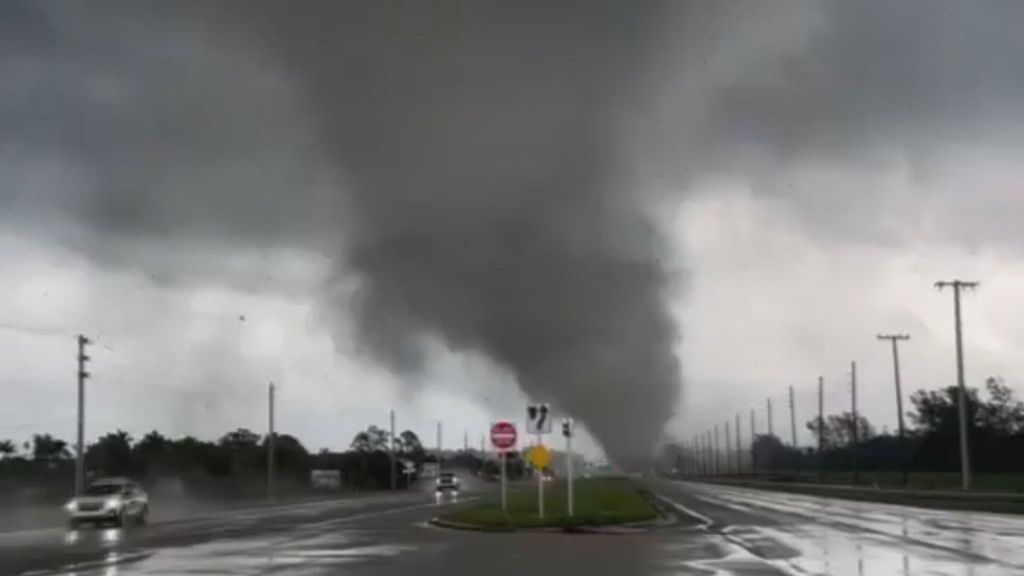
406	207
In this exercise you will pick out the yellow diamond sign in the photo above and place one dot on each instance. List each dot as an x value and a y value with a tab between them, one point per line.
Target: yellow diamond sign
539	456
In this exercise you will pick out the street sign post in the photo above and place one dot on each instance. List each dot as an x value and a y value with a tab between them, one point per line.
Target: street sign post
503	438
538	421
568	428
540	457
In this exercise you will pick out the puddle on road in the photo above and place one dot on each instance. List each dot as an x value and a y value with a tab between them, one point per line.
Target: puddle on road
710	554
288	555
841	537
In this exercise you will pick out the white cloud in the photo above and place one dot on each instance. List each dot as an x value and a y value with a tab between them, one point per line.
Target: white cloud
771	305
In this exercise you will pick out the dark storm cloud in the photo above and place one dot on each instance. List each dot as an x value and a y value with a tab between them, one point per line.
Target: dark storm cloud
494	212
875	91
481	167
475	148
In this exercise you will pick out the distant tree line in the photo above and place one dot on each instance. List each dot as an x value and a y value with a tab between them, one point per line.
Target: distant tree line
238	457
995	437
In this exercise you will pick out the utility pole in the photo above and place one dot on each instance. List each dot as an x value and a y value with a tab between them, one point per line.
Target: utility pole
718	468
80	444
821	428
739	447
710	453
711	456
465	440
895	339
692	459
439	446
697	460
728	448
753	442
965	457
391	450
769	464
702	459
856	422
270	442
483	454
792	416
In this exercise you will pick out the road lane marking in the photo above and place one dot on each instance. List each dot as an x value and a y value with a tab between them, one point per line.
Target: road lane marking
846	519
706	522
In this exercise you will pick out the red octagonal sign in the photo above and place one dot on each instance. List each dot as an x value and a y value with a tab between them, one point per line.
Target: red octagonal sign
503	435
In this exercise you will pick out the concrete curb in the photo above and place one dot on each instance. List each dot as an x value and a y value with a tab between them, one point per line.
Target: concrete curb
665	519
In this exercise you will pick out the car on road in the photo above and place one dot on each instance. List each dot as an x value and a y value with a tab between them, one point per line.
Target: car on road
109	500
447	482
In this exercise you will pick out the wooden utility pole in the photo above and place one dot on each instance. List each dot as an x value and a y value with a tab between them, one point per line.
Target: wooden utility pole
792	416
753	442
895	339
739	447
856	422
728	448
391	451
965	456
821	428
439	446
715	451
270	442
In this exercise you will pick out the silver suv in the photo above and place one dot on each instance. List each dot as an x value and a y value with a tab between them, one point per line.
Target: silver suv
114	500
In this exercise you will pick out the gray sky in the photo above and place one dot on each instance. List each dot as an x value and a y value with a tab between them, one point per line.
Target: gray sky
652	218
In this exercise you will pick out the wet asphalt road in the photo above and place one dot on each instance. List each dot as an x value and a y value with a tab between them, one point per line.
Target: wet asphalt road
722	530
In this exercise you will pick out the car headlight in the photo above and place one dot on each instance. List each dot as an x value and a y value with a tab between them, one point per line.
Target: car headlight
71	506
112	503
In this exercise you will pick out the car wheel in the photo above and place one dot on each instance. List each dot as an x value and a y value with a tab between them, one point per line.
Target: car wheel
119	519
72	524
143	516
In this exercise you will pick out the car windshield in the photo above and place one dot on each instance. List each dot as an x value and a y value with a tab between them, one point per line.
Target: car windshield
447	476
103	489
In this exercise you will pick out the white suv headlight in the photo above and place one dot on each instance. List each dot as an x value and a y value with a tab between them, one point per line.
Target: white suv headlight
112	503
71	506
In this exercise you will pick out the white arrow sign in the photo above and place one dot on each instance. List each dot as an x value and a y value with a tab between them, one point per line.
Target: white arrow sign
538	419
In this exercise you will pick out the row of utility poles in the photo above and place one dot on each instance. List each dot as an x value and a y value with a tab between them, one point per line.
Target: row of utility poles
706	455
82	374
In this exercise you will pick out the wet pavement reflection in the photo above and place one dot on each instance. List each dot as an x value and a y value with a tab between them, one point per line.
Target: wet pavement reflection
722	531
812	535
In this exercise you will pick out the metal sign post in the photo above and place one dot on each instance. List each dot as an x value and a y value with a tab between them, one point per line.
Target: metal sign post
540	485
538	422
503	437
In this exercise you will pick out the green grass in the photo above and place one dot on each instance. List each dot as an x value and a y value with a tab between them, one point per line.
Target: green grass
599	502
940	481
939	490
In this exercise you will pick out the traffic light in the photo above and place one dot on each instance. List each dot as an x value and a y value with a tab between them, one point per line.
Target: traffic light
567	427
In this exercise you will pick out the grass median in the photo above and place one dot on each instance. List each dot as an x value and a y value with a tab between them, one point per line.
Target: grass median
598	502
